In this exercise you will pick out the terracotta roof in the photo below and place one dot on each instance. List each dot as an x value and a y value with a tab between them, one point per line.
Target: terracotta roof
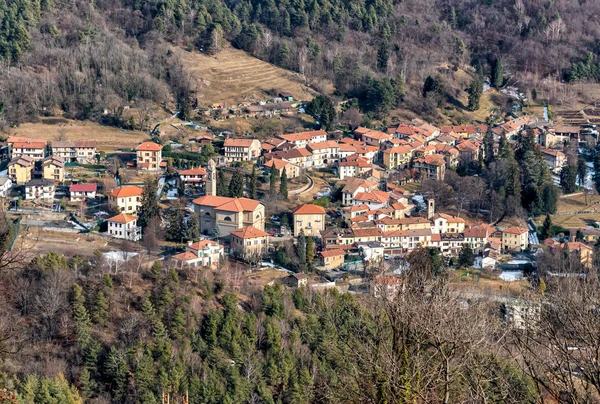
356	208
279	163
309	209
248	232
449	218
293	137
126	191
199	245
238	142
149	146
90	187
75	144
29	144
122	218
331	253
375	134
373	196
467	145
193	171
359	219
329	144
515	230
227	204
552	152
54	161
481	231
24	161
185	256
432	159
370	232
359	162
296	153
399	150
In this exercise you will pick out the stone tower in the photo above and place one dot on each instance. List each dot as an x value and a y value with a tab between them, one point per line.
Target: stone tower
430	208
211	178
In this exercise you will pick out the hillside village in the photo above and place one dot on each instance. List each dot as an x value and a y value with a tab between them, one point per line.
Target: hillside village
380	215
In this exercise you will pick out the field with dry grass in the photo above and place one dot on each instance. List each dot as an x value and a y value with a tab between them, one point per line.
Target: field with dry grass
573	212
109	138
233	76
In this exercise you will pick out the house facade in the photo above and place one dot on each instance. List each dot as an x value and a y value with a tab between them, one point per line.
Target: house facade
203	253
20	169
81	151
35	149
241	149
40	189
331	258
82	192
149	156
125	227
126	199
53	169
249	243
515	239
310	219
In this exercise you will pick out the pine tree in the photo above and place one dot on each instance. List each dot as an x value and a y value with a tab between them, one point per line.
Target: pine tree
466	256
497	73
253	185
83	324
100	312
149	208
222	186
568	179
236	185
582	170
178	324
273	178
115	370
310	249
283	186
301	247
475	91
546	230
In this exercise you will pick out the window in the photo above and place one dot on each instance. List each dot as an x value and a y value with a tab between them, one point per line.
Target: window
227	219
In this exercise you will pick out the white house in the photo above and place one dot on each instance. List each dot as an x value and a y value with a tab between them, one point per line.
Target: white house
40	189
5	186
124	226
204	253
81	192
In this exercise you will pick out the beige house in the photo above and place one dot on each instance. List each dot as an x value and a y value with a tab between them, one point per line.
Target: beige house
203	253
125	227
398	157
220	215
555	159
125	199
291	170
331	258
324	153
443	223
20	168
301	139
515	239
81	151
310	219
431	167
241	149
249	243
149	156
53	169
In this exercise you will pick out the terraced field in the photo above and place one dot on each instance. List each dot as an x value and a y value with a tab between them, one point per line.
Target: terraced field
233	76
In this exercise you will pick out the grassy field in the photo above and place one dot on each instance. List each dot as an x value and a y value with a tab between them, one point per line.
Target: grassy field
570	212
233	76
109	138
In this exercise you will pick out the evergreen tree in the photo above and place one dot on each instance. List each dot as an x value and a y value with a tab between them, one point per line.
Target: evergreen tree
488	147
178	324
115	371
475	91
497	73
582	170
310	249
81	317
546	230
597	172
236	185
100	312
283	186
434	88
273	178
222	186
253	185
466	256
149	208
301	248
568	179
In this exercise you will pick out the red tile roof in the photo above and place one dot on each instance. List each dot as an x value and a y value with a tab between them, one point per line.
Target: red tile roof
331	253
126	191
238	142
248	232
193	171
149	146
227	204
515	230
91	187
122	218
309	209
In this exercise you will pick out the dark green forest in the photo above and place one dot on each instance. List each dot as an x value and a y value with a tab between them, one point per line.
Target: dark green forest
81	58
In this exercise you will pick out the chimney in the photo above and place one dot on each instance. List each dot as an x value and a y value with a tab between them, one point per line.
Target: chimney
572	236
189	243
430	208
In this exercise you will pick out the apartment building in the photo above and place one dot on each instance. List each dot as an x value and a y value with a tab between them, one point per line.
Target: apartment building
53	169
40	189
309	219
125	227
80	151
203	253
249	243
20	169
35	149
126	199
149	156
241	149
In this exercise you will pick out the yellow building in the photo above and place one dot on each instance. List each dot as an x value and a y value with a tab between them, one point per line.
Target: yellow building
398	157
125	199
20	168
310	219
291	170
249	243
515	239
53	169
332	258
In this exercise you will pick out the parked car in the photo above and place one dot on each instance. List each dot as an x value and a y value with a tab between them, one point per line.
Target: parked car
271	233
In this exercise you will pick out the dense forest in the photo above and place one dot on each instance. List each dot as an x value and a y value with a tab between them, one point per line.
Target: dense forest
81	58
86	330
